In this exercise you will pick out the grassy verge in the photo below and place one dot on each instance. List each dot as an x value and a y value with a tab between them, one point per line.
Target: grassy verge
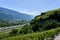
37	36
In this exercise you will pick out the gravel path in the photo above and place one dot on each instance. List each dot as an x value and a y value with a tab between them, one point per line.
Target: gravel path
57	37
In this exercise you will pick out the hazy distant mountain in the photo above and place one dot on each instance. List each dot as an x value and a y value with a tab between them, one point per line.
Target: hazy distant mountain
7	14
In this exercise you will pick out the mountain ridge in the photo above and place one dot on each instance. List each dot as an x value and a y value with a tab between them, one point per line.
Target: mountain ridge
8	14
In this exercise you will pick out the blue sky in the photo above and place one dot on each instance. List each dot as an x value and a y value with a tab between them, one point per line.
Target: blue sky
31	7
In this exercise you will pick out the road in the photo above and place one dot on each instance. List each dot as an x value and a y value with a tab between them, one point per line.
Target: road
10	28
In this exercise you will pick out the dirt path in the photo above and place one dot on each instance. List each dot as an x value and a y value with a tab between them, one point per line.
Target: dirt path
57	37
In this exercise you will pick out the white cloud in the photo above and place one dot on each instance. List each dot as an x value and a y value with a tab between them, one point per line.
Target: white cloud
34	13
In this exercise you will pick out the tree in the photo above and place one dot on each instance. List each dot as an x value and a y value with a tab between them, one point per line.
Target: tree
49	25
14	32
43	13
26	29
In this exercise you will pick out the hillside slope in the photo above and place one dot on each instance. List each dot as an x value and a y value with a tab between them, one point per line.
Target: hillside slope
7	14
46	21
46	35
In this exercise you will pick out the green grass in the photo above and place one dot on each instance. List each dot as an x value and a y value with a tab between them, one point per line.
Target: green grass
36	36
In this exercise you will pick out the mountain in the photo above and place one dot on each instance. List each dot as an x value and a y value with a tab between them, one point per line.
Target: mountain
46	21
11	15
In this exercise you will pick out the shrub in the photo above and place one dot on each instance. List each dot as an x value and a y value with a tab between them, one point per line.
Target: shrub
52	24
14	32
43	13
26	29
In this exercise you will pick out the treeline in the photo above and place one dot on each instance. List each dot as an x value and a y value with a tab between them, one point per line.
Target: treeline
8	23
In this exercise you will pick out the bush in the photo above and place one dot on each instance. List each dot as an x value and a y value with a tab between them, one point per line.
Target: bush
14	32
26	29
50	25
43	13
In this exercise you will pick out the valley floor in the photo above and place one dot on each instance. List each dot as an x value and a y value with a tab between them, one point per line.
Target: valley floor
4	29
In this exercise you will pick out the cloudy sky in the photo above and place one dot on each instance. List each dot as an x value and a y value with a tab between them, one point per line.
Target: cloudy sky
31	7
